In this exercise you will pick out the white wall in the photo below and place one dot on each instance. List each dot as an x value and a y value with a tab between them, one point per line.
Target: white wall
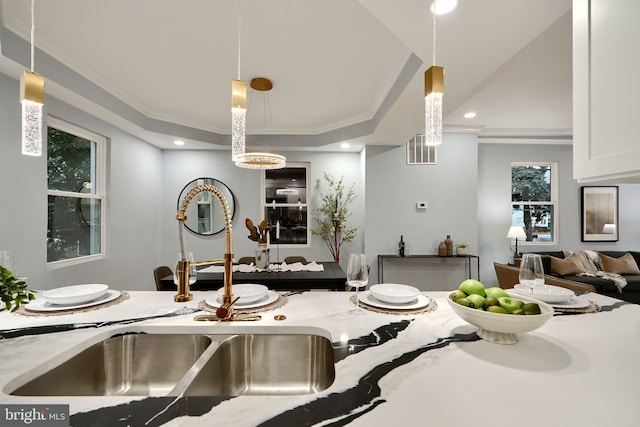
393	188
494	212
180	167
134	193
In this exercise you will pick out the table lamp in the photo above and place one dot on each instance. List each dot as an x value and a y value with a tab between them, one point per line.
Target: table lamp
516	232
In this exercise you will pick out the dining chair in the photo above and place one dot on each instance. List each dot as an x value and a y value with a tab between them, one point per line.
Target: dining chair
247	260
158	274
295	258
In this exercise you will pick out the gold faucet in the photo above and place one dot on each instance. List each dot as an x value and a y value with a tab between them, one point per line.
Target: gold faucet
225	311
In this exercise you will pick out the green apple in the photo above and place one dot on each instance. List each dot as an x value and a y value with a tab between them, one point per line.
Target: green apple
496	292
530	308
489	301
497	309
472	286
510	304
476	300
464	301
456	295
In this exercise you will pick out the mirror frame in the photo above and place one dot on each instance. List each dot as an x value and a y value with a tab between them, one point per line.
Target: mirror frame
223	187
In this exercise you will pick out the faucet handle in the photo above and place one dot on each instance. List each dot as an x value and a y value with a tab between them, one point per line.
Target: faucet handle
225	311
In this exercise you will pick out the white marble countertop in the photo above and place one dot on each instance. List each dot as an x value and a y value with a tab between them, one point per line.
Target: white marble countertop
423	369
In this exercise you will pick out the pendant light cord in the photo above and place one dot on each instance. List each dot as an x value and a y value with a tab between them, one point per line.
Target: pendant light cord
239	38
33	26
435	8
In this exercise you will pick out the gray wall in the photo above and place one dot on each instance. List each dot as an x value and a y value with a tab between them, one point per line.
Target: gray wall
449	188
494	211
134	194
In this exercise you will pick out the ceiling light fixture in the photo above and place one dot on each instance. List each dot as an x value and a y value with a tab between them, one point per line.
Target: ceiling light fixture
433	92
262	160
178	142
32	100
345	145
238	110
469	115
441	7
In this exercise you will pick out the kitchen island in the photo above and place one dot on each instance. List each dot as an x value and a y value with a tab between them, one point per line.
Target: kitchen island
390	369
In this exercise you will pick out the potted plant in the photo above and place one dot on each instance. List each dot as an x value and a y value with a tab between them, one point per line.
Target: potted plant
13	291
334	214
461	249
259	234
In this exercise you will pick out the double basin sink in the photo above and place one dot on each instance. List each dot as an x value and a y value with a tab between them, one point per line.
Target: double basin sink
190	364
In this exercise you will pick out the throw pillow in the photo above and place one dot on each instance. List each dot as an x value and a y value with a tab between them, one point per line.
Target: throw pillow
569	266
626	264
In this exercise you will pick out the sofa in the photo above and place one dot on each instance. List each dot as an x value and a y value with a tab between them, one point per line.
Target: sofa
508	277
595	268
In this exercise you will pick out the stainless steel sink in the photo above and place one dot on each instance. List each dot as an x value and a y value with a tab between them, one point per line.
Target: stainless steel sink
133	364
159	364
268	364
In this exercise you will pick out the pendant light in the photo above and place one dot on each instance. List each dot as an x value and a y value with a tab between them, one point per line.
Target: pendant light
32	100
238	109
262	160
433	93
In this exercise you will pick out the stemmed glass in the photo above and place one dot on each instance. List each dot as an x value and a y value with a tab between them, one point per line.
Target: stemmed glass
531	271
357	276
193	272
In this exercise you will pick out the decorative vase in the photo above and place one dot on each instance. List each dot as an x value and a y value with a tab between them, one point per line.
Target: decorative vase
449	243
461	251
262	256
442	249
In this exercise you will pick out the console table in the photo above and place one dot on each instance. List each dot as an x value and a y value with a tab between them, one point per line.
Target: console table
468	260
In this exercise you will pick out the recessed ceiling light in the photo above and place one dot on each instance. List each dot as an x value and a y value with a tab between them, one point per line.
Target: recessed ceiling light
178	142
469	115
345	145
444	6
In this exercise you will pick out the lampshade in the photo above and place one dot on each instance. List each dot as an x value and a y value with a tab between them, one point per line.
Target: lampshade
238	118
516	232
32	100
433	93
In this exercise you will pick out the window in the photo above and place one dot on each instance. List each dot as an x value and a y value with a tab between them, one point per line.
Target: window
75	192
284	201
534	200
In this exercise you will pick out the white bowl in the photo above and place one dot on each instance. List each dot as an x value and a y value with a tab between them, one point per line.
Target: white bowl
394	293
248	292
546	293
76	294
502	328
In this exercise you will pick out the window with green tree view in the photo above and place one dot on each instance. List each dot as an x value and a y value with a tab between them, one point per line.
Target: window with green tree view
534	200
75	192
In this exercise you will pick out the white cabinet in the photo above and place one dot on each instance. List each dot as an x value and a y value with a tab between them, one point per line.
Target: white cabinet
606	90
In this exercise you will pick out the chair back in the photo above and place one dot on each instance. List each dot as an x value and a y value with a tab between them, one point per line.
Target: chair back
247	260
295	258
159	273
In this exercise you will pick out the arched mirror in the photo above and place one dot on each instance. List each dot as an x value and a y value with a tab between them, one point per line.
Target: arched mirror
204	214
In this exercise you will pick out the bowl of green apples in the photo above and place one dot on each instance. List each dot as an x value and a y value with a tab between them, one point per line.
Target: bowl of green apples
499	315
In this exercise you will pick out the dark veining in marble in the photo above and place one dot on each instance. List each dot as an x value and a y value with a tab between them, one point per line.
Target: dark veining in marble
340	407
378	337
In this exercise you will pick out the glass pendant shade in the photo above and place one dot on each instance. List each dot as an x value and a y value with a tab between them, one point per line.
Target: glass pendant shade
32	100
238	118
433	93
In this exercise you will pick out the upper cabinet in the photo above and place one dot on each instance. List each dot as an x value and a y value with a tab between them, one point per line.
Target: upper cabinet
606	91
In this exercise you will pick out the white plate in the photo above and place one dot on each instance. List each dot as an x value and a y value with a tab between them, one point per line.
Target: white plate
394	293
572	303
248	292
43	305
420	302
215	301
76	294
546	293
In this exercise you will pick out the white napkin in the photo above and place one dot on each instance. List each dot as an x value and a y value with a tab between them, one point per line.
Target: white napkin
298	266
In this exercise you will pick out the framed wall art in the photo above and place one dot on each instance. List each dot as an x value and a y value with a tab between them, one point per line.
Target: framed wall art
600	214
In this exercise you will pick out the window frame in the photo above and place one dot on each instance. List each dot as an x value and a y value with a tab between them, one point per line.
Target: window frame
98	194
264	205
553	169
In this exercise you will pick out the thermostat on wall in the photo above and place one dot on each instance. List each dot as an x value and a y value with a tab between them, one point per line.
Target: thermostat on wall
421	205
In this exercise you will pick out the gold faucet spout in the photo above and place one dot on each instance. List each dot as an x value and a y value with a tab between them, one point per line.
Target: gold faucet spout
183	265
